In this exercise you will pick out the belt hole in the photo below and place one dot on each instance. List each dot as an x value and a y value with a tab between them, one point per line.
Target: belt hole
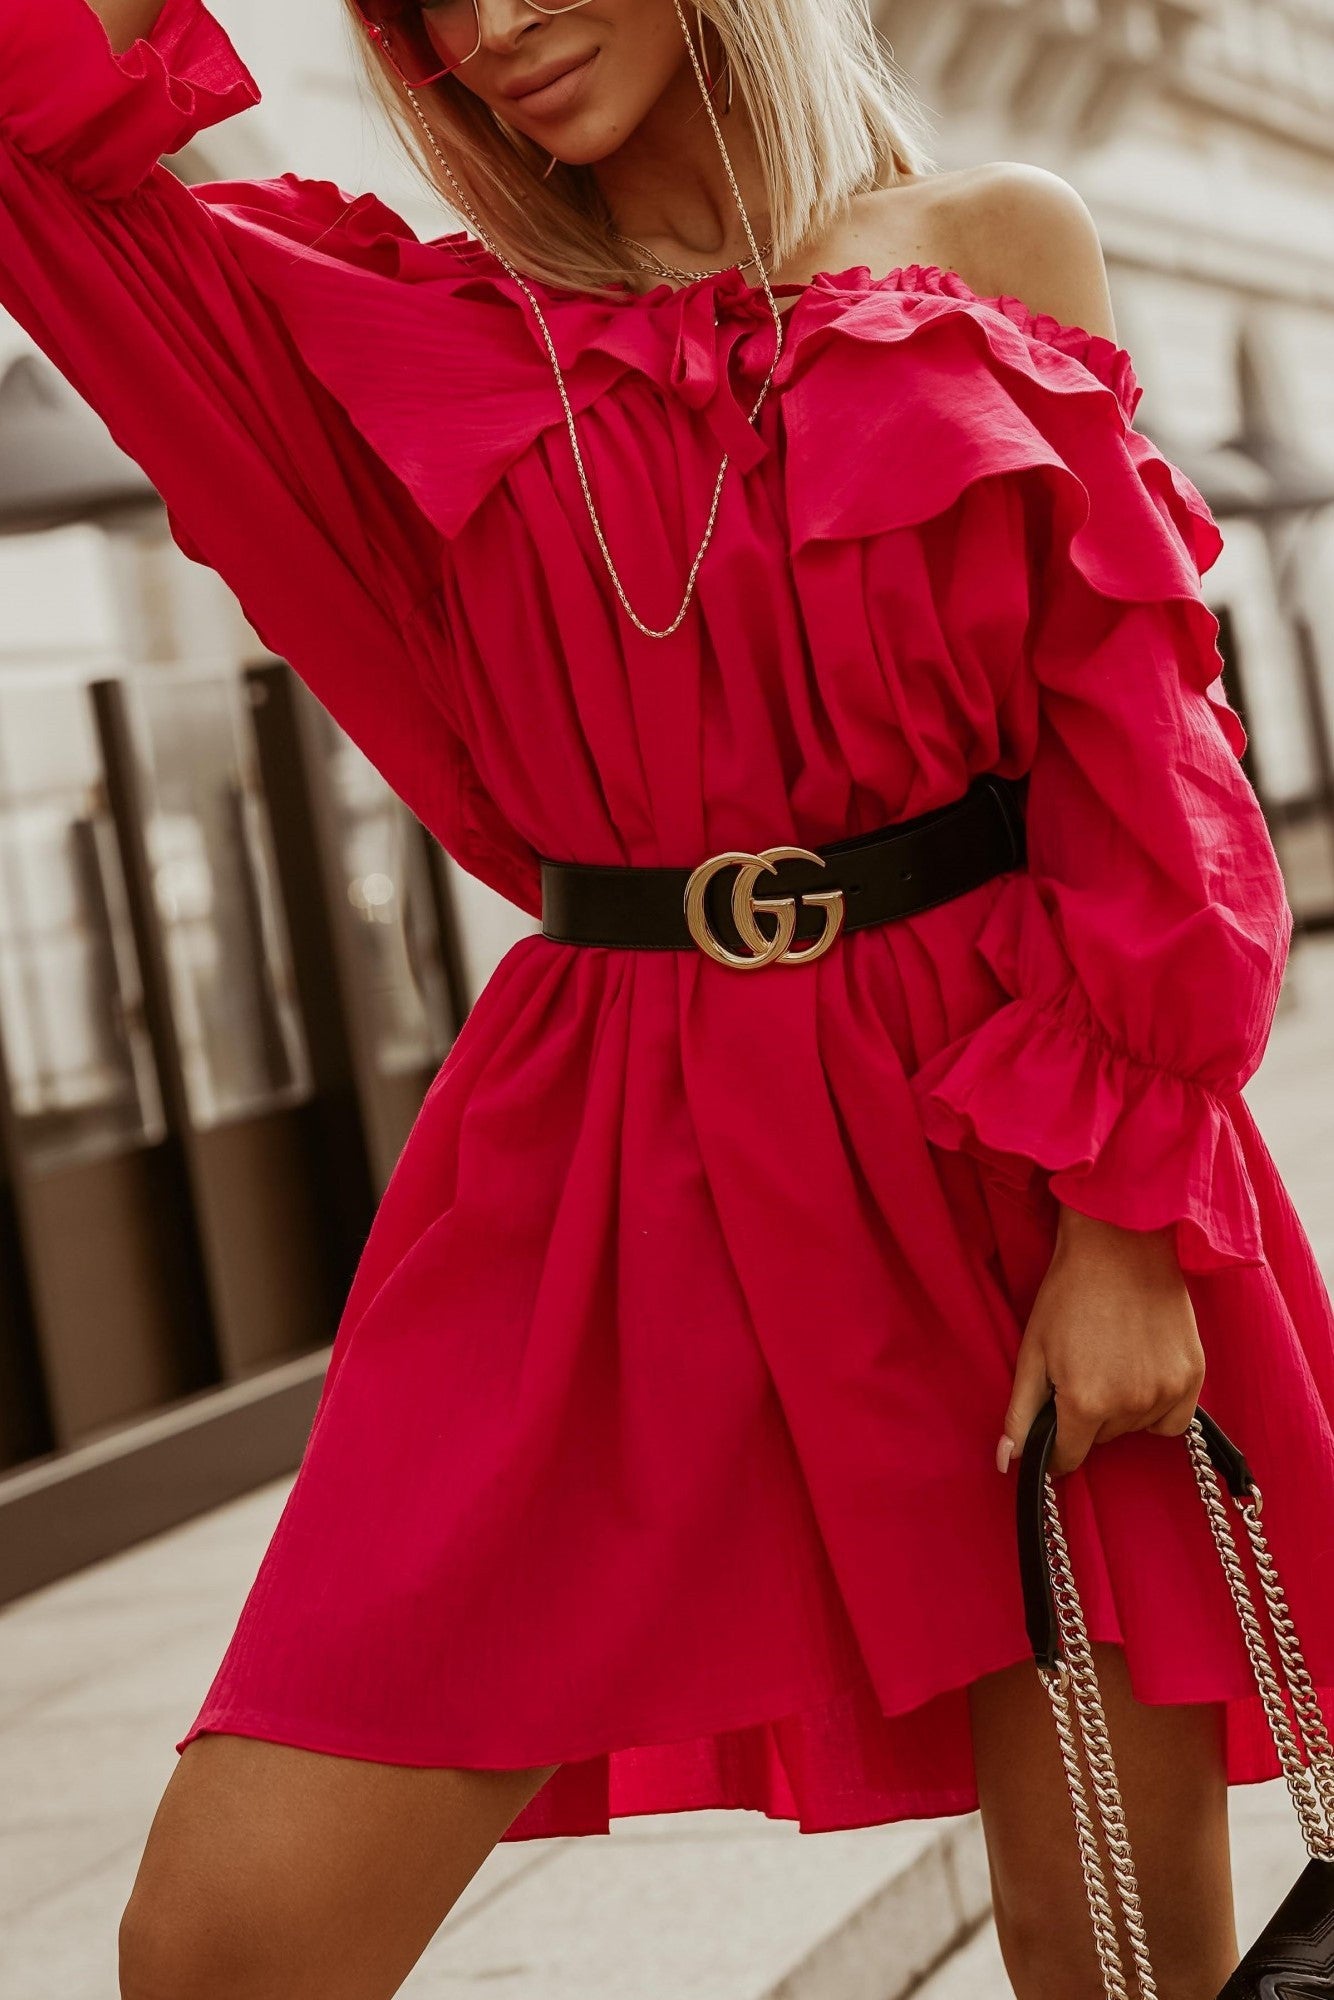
905	874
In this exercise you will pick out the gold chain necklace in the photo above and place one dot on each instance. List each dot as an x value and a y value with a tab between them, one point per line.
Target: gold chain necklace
465	208
651	261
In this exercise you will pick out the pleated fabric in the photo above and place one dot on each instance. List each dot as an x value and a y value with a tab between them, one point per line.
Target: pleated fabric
657	1440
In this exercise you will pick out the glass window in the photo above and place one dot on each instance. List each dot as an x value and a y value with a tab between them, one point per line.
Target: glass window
216	895
76	1045
388	886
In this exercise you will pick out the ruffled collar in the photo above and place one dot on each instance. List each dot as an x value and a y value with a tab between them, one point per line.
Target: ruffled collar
711	340
436	353
366	232
732	294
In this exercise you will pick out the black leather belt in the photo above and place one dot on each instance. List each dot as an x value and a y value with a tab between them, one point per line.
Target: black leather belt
806	895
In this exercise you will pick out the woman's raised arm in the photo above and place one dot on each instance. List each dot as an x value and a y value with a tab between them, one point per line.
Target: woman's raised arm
141	291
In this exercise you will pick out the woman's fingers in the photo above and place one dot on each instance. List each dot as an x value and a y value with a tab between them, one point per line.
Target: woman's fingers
1031	1389
1178	1419
1076	1432
1113	1329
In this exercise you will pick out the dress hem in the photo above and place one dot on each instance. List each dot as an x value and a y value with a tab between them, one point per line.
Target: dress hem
1250	1758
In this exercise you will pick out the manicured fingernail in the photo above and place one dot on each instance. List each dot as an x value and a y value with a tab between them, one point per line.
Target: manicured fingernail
1004	1453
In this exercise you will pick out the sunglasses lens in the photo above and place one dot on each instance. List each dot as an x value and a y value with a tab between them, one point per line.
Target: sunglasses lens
424	43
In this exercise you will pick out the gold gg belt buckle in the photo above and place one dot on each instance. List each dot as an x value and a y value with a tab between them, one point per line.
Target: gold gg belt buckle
775	950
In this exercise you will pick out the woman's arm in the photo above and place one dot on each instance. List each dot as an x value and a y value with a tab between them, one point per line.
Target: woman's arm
1145	945
126	20
131	285
140	291
1112	1328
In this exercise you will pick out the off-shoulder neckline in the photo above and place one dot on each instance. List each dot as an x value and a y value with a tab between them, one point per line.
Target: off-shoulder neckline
379	231
928	277
1106	357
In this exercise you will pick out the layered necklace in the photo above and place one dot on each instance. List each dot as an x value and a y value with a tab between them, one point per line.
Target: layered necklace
651	261
757	259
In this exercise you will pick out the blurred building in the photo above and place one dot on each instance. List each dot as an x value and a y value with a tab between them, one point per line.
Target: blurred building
230	960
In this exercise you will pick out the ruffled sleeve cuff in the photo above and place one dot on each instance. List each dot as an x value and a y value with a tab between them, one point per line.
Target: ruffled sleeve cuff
101	120
1039	1092
1140	1147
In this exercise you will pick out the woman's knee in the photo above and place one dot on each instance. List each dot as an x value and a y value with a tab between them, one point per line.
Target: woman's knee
194	1925
273	1873
197	1954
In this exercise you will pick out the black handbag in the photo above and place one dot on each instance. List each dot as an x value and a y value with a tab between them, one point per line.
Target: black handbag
1293	1958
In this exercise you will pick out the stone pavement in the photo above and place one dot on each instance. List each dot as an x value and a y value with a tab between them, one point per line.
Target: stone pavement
101	1672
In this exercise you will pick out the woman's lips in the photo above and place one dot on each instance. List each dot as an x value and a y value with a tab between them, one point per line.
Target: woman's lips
558	96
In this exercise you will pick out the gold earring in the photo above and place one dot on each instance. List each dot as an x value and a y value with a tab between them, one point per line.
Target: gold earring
703	51
704	63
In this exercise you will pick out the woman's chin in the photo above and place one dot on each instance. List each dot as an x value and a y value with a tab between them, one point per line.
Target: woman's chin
581	141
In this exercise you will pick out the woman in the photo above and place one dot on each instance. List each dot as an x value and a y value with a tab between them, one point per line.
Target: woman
749	482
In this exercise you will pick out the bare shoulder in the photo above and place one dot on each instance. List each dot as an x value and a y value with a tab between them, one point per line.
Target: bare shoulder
1024	230
1011	229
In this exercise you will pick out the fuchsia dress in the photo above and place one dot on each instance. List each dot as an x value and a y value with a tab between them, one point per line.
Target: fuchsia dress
658	1436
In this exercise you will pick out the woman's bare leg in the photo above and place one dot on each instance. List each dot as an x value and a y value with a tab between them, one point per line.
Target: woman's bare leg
1169	1760
272	1873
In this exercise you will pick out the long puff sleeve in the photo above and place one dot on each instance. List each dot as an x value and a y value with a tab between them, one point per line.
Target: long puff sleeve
1143	949
137	288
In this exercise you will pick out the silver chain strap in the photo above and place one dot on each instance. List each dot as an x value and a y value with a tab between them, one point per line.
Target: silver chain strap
1304	1699
1310	1785
1312	1788
466	209
1078	1670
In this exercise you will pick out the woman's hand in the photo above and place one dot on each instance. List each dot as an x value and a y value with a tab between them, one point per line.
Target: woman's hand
1113	1331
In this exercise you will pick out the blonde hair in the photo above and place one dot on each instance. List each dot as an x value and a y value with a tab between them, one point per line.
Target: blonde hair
832	115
